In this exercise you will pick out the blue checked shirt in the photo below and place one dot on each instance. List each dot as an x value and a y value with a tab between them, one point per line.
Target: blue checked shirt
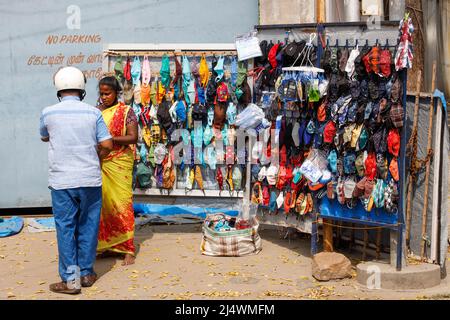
75	129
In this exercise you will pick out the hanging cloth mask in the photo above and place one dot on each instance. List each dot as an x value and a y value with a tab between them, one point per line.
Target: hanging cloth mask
203	71
207	135
219	178
378	193
118	69
143	153
197	136
136	70
186	75
186	137
224	133
219	69
241	74
146	73
178	71
164	72
190	93
211	157
234	71
273	201
127	70
210	116
231	114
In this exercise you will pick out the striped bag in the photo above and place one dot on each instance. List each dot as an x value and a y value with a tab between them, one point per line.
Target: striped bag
235	243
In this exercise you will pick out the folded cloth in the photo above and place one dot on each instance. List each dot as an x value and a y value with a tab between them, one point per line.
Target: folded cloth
41	224
11	226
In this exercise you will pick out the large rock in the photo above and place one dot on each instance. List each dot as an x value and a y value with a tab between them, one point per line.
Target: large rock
330	266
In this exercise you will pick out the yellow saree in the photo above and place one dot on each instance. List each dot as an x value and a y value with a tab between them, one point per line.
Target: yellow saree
116	230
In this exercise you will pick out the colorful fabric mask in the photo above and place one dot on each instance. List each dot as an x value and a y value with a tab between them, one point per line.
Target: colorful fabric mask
204	72
186	75
164	72
378	193
231	113
136	70
118	69
146	74
211	157
207	135
234	72
332	161
219	69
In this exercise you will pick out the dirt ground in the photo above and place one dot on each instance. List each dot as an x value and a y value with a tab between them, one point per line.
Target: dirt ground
169	266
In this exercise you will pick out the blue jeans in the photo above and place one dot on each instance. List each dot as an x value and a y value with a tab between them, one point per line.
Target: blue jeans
77	217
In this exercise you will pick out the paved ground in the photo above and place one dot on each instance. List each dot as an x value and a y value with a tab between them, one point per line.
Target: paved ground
169	266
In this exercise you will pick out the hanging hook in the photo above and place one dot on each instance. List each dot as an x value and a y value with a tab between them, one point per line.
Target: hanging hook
346	43
312	36
287	36
337	43
376	42
328	42
367	42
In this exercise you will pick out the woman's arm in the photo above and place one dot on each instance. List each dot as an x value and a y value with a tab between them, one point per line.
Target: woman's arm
104	148
130	137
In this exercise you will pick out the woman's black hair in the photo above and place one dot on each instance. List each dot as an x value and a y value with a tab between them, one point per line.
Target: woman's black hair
111	82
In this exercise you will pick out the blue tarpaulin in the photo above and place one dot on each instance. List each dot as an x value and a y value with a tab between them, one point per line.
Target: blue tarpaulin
171	210
11	226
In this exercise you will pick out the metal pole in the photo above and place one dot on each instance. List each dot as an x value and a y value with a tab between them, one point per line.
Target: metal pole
402	167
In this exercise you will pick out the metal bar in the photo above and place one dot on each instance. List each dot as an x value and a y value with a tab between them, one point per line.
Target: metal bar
363	222
169	53
436	185
171	46
314	229
366	241
183	193
402	181
362	24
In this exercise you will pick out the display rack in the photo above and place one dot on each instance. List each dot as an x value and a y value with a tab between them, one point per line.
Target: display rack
112	50
398	225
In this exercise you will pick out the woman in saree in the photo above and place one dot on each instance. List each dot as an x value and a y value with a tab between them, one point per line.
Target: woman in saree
116	230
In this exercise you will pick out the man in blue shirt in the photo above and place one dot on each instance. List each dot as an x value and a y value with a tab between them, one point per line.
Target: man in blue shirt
78	138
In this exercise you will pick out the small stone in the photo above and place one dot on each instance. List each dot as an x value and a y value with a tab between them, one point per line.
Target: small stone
330	266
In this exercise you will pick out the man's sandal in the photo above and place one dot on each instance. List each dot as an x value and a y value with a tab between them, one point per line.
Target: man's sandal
61	287
89	280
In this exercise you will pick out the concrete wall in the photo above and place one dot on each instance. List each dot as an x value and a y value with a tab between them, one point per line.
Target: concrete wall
38	37
286	11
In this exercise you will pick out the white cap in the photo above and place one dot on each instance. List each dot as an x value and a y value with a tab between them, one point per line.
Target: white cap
69	78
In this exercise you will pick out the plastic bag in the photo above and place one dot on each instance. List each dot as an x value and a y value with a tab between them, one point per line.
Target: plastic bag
314	166
250	117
